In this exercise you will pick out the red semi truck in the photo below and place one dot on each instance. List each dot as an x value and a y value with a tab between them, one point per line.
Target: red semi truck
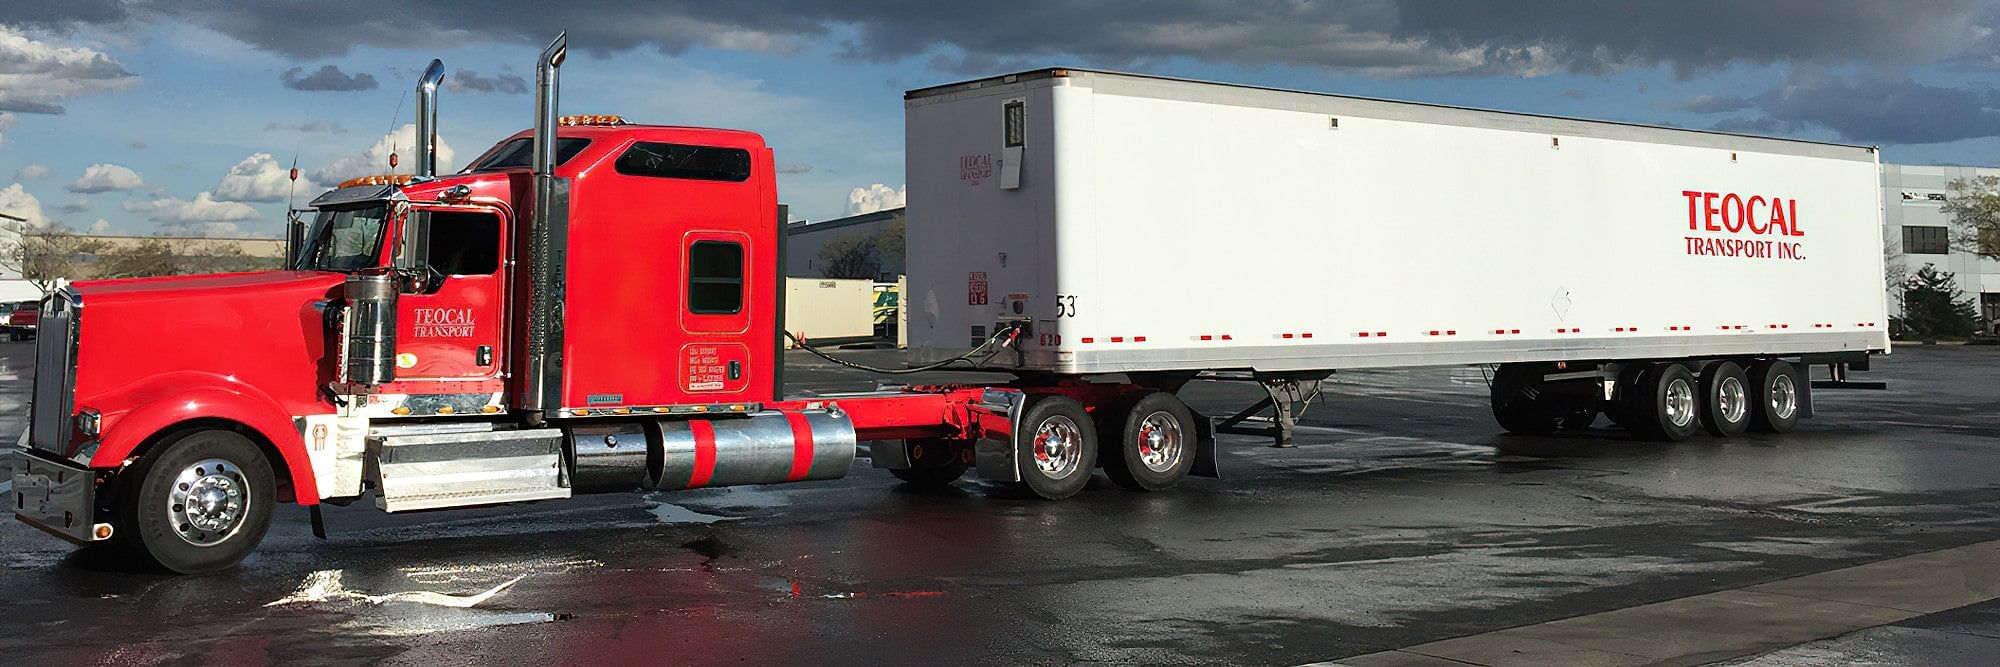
595	306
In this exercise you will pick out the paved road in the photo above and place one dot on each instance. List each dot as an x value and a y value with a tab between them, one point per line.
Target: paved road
1404	518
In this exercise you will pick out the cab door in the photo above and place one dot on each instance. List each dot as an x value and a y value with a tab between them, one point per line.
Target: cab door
451	332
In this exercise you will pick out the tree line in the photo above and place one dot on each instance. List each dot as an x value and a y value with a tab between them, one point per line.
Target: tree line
50	257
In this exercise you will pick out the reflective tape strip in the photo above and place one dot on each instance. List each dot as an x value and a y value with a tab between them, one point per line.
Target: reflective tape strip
802	446
704	453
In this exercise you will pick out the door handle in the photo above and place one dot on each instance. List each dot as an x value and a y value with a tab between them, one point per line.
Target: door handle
484	356
735	370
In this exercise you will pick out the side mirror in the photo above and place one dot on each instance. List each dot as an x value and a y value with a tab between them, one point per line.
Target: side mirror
413	252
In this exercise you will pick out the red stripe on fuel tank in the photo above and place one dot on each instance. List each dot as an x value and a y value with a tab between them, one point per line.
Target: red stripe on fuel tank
802	446
704	453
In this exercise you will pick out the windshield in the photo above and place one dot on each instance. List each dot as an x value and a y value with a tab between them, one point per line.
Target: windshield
520	153
345	240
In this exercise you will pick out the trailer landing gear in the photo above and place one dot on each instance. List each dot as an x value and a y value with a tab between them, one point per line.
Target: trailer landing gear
1290	395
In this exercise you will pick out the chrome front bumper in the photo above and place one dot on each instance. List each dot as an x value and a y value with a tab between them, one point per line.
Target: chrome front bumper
56	496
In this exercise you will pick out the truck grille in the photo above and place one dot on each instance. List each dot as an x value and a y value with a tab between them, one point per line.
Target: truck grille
55	372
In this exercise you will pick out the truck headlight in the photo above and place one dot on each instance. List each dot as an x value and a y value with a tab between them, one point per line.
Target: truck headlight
87	421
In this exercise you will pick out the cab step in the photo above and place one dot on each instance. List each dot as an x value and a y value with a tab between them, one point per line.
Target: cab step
437	470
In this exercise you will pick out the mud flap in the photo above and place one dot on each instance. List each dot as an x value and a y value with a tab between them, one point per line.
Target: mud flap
1205	464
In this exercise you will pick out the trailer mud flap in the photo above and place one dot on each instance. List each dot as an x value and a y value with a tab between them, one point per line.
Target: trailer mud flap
1205	464
996	455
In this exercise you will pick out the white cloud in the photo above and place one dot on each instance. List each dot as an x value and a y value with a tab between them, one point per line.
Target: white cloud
102	226
15	201
375	160
203	215
260	178
874	198
36	77
105	178
6	123
30	171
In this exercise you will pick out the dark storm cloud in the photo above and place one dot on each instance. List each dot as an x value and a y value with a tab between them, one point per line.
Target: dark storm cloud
328	77
1713	104
1698	35
61	13
469	81
1884	110
1379	37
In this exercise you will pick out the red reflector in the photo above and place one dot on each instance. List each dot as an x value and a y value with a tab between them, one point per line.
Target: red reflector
1117	339
1088	339
1138	339
1284	335
1434	332
1226	337
1208	338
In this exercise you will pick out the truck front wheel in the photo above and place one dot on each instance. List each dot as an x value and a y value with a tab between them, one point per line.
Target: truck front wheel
198	503
1057	447
1155	447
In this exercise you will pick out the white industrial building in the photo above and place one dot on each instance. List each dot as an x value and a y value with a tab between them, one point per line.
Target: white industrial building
1915	226
803	241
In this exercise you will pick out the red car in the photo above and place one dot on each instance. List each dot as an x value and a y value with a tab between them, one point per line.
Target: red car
20	320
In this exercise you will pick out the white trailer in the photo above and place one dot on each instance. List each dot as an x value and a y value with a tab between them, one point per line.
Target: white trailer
1152	226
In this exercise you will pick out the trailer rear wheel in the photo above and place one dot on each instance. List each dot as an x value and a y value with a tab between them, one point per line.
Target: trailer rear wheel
1670	404
1725	397
198	503
1155	446
1057	447
1518	402
934	462
1777	396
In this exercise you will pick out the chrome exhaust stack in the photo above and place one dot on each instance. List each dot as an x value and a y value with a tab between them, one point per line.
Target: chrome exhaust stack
540	376
427	112
547	88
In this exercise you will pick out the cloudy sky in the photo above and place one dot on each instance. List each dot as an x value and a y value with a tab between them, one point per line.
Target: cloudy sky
143	116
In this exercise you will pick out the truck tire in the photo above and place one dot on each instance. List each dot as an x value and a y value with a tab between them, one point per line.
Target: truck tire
1518	403
1774	387
199	502
1155	445
1057	448
1725	399
1670	404
934	462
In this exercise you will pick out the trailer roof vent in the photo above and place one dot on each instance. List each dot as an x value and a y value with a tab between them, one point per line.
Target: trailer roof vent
377	179
591	119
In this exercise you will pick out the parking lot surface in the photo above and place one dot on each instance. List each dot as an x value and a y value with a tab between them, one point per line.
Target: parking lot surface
1404	518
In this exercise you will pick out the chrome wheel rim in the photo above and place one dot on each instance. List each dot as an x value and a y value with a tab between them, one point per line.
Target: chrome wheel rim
1160	442
1729	399
1058	447
208	502
1784	397
1680	403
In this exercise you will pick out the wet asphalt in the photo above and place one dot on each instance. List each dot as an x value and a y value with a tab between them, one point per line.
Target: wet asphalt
1403	517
